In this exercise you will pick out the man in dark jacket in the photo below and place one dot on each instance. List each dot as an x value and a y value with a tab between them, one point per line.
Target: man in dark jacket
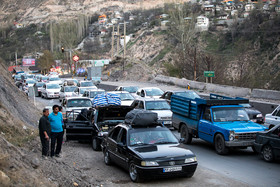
45	132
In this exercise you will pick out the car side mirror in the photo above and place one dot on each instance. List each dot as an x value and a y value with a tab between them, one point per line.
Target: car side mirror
181	140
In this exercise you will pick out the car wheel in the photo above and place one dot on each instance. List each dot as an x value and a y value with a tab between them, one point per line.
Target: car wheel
96	144
267	153
133	174
185	134
220	146
107	158
42	95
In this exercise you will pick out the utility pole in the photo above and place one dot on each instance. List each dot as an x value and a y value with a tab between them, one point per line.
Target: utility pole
124	41
118	39
112	50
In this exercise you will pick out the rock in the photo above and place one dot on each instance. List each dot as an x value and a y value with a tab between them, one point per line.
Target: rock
4	179
35	163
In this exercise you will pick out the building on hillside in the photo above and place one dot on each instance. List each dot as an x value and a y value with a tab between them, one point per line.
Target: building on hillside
202	23
249	7
165	24
163	16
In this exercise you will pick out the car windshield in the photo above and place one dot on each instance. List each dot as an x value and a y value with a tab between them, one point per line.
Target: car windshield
157	105
79	103
154	92
39	84
30	81
229	114
30	76
53	86
151	136
86	84
131	89
94	93
69	88
54	79
44	78
188	94
125	96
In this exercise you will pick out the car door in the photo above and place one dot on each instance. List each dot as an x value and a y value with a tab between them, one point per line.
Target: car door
112	146
44	89
205	126
122	148
274	119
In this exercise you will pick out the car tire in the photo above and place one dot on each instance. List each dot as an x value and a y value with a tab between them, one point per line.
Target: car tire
96	144
42	96
185	134
267	153
107	158
133	173
220	145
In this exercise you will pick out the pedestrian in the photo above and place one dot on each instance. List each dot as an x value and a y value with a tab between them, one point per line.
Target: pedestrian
45	132
56	119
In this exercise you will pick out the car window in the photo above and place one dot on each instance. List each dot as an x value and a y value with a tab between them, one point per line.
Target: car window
206	114
141	105
277	113
86	84
134	104
114	134
79	103
157	105
122	136
154	92
277	132
130	89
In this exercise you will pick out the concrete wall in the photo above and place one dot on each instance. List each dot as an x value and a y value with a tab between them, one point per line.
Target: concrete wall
223	89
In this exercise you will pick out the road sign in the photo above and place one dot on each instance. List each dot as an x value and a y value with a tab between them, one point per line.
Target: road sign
76	58
73	67
209	73
99	63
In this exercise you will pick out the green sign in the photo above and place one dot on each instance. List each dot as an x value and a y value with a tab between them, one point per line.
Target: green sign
209	73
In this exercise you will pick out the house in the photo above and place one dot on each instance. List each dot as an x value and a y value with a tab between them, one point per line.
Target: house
202	23
163	16
165	24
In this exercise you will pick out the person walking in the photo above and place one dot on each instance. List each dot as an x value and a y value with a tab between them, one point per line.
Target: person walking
45	132
56	119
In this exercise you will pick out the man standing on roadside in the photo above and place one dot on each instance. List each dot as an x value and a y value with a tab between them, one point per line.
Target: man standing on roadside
45	132
56	119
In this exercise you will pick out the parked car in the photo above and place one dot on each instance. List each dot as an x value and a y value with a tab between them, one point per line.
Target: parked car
50	90
38	76
55	80
126	97
29	82
86	84
79	91
75	103
268	144
185	93
131	89
273	118
44	79
254	114
39	87
147	149
66	91
92	93
149	92
159	106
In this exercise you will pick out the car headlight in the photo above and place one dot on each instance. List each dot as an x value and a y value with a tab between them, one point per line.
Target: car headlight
149	163
192	159
259	116
231	135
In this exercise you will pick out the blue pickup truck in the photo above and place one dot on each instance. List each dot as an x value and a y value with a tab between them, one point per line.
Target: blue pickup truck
219	120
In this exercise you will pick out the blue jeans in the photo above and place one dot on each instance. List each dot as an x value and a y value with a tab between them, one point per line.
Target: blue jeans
56	137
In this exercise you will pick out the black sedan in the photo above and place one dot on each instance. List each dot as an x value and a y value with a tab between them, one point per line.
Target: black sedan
268	144
254	114
147	153
185	93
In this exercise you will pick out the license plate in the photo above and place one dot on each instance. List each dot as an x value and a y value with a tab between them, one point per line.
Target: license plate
167	122
172	169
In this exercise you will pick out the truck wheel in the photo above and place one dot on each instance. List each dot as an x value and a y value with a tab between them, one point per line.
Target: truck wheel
96	144
185	134
133	174
267	153
107	158
220	146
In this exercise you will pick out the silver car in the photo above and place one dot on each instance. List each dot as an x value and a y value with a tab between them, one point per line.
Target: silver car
272	119
66	91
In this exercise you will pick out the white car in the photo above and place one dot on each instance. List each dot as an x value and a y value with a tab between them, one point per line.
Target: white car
66	91
86	84
79	91
55	80
75	103
149	92
273	118
92	93
131	89
50	90
159	106
126	98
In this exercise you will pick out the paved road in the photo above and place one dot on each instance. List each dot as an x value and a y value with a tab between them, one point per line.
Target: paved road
241	165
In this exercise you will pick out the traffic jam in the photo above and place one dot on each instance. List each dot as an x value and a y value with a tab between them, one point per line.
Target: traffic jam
134	126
